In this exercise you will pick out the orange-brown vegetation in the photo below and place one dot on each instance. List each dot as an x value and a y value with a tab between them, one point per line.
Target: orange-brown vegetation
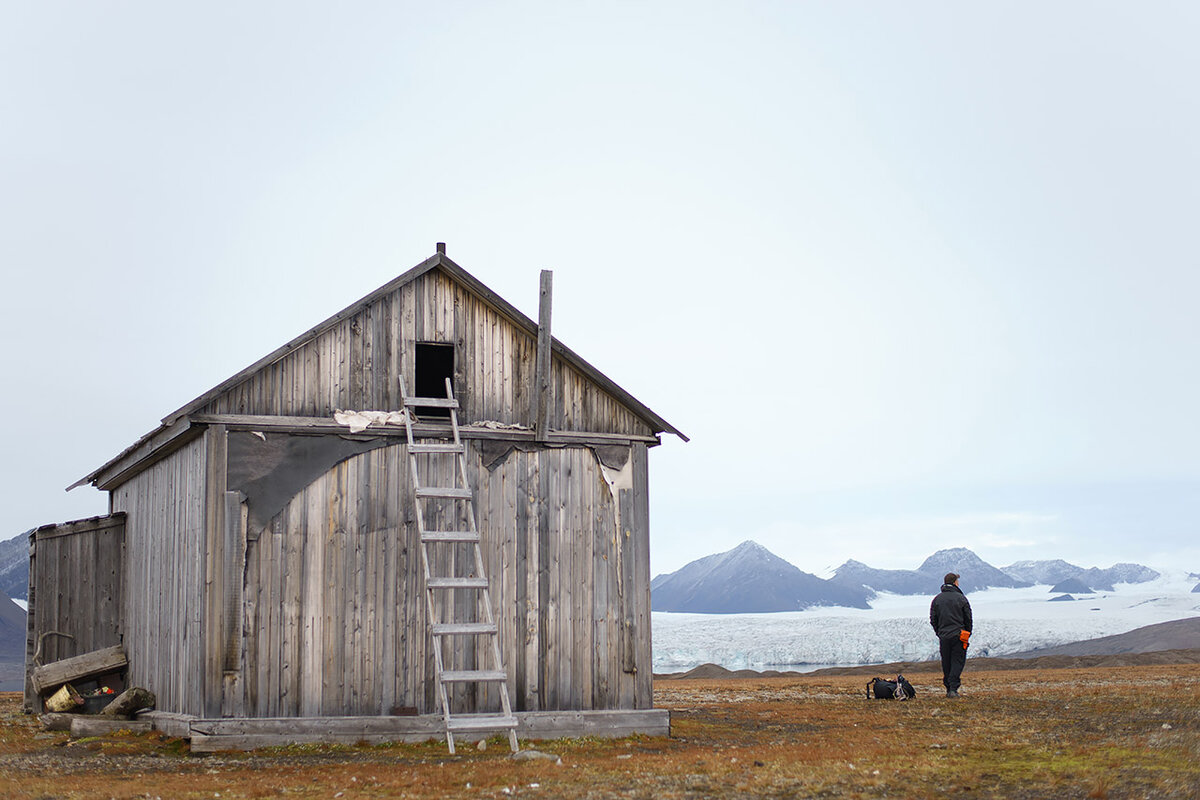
1119	732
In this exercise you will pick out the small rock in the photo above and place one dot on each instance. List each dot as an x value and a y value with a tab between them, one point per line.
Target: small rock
482	745
535	755
1166	726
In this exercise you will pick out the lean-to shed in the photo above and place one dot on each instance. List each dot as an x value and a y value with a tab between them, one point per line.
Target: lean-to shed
268	560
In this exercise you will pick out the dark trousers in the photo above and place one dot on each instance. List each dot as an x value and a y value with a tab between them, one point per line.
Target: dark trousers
954	657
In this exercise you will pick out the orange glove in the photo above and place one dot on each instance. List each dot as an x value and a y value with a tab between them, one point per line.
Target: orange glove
964	637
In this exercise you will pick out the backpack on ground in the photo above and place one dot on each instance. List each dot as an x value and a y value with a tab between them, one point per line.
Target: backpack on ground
883	689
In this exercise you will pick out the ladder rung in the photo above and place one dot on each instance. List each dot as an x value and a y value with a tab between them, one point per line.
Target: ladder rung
452	628
481	722
468	675
457	583
435	448
444	491
449	536
430	402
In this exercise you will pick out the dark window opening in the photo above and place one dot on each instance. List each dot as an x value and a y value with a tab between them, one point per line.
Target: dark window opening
434	364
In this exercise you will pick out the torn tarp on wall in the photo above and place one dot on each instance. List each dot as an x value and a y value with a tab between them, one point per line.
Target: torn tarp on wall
271	469
496	452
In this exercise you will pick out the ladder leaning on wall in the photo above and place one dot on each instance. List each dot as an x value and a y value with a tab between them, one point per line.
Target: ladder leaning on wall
477	581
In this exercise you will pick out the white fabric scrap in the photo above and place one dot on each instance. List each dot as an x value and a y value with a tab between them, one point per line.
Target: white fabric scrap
500	426
617	479
361	420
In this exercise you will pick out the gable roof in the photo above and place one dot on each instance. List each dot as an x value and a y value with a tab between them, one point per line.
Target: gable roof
438	261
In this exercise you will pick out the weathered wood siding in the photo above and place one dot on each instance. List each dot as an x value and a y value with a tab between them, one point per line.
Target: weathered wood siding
357	364
75	589
335	619
165	575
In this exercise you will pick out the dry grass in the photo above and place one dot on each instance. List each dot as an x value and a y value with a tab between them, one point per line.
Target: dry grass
1114	733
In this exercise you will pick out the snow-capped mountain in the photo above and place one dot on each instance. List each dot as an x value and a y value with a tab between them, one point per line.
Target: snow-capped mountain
976	573
1057	571
896	581
14	567
1047	572
1107	579
748	578
12	631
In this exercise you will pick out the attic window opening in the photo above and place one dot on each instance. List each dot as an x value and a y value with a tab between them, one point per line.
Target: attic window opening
434	364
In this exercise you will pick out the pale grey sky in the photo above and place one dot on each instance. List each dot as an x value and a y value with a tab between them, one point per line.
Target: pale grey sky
910	275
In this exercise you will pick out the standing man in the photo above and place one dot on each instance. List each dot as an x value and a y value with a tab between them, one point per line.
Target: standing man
950	616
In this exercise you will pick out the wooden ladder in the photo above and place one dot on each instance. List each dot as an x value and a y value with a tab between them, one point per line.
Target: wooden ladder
477	581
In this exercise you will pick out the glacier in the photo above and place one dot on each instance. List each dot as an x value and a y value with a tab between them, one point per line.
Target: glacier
896	627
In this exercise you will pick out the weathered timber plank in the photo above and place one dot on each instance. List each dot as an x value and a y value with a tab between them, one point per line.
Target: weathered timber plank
98	662
546	607
542	386
643	682
217	735
315	424
142	454
85	725
178	726
31	702
216	444
76	527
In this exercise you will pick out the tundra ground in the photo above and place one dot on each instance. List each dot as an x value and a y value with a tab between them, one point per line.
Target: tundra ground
1124	732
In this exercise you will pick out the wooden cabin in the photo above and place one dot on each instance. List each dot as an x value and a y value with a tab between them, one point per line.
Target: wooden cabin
261	557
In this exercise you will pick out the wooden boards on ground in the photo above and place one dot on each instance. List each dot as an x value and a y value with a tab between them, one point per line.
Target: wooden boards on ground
97	662
213	735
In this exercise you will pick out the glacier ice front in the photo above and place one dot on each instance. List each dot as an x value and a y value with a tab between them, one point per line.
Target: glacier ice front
896	628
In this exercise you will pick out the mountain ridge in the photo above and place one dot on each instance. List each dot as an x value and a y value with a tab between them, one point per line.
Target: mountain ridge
752	579
747	579
14	566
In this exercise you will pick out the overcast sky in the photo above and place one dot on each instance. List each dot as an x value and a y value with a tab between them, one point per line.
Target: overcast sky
911	276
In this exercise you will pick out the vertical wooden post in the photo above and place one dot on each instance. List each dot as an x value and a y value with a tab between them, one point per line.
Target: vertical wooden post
543	390
639	588
211	670
234	523
33	700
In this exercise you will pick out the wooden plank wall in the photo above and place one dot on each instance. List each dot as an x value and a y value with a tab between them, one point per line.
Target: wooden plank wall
76	588
335	615
164	571
356	364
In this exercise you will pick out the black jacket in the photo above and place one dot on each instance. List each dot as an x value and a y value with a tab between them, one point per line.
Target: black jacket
950	612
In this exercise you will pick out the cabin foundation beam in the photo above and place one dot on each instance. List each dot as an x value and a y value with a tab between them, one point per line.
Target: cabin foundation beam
215	735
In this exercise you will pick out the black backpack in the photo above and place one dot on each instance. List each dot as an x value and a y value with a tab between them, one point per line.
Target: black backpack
883	689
